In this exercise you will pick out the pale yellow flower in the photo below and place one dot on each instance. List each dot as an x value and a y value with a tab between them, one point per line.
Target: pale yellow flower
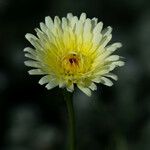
72	51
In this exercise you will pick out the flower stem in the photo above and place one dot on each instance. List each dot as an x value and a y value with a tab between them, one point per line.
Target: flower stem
71	116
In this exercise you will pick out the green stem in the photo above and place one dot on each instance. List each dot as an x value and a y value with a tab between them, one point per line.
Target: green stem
72	136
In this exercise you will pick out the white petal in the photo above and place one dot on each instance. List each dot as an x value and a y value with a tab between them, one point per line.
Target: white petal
64	23
87	26
97	80
83	17
49	22
41	35
87	35
93	87
105	40
119	63
85	90
106	81
57	30
73	22
96	39
97	36
101	70
43	27
94	22
79	28
107	31
51	85
57	21
44	80
30	56
62	84
69	16
50	36
30	36
98	28
111	75
34	41
36	72
112	58
113	47
29	50
32	63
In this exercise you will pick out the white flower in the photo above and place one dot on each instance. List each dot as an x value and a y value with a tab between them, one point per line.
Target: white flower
73	51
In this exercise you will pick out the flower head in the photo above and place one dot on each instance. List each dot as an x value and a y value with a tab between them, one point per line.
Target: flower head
73	51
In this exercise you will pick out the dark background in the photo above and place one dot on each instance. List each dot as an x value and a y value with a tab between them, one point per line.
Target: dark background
116	118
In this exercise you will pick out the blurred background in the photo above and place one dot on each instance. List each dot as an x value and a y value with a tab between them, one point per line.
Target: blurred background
116	118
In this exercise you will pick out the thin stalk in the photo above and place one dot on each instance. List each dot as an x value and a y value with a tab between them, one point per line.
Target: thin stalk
71	119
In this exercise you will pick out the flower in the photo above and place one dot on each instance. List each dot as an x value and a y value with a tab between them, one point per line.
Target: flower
72	51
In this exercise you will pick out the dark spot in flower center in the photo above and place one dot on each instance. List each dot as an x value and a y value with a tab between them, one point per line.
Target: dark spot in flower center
73	60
